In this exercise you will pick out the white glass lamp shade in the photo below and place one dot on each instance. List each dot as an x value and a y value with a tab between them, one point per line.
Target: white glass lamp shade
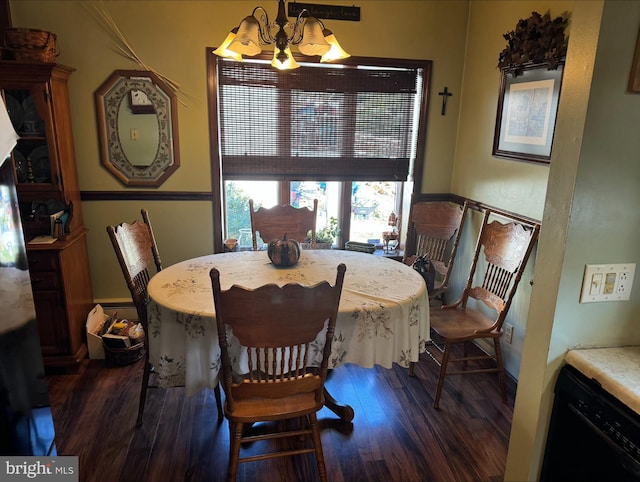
247	41
335	52
223	51
288	64
313	42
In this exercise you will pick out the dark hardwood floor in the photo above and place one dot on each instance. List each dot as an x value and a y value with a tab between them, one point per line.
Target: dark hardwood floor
396	434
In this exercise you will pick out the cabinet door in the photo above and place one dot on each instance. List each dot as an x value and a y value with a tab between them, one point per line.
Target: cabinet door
54	336
35	156
37	96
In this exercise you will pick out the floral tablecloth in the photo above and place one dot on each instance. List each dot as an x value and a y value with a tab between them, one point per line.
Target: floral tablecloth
383	316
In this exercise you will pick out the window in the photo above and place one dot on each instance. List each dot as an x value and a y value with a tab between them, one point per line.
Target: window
350	135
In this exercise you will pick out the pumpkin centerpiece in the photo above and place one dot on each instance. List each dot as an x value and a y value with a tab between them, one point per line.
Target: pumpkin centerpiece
284	252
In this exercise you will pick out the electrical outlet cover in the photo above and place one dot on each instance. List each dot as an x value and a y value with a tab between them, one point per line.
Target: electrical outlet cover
607	282
508	333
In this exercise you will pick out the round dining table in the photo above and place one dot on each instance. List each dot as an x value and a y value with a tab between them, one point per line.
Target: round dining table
383	317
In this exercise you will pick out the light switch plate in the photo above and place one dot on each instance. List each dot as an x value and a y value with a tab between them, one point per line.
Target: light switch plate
607	282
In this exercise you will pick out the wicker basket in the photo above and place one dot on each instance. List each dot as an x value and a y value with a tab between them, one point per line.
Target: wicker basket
30	45
124	356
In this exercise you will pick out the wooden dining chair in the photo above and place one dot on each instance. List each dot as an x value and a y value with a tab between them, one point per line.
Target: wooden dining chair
136	249
434	231
500	256
273	223
276	326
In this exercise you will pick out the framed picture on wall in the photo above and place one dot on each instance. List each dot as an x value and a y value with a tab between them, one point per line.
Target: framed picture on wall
527	110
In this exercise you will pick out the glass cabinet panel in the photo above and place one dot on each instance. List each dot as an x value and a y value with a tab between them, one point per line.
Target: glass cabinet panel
31	155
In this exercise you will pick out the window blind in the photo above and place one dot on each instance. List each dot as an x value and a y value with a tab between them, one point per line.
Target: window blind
320	121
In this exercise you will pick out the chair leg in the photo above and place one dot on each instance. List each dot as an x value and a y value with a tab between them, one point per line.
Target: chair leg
465	354
143	388
443	372
234	449
317	444
412	366
216	392
501	377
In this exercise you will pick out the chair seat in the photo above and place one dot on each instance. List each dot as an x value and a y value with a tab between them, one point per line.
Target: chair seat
456	324
267	409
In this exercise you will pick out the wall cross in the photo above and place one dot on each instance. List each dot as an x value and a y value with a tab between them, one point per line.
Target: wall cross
445	95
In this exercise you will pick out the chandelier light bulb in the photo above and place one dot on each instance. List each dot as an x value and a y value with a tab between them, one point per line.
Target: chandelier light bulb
247	41
223	51
288	64
313	42
335	52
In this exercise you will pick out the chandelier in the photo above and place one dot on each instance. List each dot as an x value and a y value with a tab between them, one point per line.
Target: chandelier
307	33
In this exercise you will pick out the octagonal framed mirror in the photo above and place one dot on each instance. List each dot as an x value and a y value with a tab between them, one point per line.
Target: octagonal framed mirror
137	115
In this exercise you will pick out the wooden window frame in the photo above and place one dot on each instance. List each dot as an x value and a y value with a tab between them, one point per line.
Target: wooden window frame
215	151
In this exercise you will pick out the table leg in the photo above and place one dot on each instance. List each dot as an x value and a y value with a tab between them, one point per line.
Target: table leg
345	412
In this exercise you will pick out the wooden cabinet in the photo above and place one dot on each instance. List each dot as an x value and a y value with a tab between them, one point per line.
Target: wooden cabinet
44	165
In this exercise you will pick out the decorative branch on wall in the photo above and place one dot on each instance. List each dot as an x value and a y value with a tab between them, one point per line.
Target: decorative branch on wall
535	40
124	48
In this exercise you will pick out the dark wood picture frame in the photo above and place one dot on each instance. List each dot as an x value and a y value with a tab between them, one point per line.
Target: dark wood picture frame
527	111
634	76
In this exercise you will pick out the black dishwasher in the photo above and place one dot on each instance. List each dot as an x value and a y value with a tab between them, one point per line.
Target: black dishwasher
592	435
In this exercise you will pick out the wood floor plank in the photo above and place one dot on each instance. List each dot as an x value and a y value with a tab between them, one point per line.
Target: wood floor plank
396	434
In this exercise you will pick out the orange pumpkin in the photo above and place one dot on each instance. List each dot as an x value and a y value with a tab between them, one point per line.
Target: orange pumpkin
284	252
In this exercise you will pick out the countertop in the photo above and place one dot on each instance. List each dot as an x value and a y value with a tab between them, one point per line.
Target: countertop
617	369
